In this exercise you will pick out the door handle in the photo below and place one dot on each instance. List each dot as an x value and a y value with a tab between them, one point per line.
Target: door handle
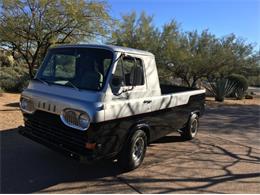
147	101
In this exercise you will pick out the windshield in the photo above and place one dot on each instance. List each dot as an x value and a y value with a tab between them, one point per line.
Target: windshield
80	68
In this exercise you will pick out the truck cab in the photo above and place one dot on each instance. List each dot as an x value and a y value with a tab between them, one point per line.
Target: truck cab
96	101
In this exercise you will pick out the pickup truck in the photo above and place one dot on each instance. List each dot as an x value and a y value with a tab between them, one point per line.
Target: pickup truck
95	102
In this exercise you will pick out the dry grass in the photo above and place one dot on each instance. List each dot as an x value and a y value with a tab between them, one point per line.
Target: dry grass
10	114
210	101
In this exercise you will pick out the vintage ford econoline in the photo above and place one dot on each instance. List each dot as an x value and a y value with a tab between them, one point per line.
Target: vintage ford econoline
96	101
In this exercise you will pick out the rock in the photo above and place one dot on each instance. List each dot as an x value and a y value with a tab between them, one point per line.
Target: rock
248	97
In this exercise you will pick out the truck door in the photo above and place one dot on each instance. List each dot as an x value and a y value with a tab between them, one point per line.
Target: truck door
128	86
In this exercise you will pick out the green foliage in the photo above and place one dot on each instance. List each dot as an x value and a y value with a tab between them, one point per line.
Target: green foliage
200	57
254	81
196	56
136	32
240	81
1	91
13	79
29	28
241	85
221	88
6	60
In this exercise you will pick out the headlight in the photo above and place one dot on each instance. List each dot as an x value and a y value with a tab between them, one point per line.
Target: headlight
84	121
26	105
75	119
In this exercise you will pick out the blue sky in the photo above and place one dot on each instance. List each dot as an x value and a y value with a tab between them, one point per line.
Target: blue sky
221	17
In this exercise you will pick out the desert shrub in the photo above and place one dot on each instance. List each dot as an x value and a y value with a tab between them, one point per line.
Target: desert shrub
13	79
1	91
254	81
247	96
241	85
6	60
221	88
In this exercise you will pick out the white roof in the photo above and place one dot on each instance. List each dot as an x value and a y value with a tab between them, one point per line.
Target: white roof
109	47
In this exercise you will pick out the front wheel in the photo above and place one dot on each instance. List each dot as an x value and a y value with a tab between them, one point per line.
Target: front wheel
191	129
133	152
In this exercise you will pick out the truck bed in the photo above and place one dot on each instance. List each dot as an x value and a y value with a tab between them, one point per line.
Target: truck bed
169	89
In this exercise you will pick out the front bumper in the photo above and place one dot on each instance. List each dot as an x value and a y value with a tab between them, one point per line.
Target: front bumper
57	146
48	130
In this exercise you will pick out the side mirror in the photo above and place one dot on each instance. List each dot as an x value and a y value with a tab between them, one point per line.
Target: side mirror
116	86
116	81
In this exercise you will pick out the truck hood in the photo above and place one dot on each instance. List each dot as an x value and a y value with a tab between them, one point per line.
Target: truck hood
54	99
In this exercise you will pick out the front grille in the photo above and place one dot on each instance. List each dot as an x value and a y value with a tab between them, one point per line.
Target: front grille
71	118
50	128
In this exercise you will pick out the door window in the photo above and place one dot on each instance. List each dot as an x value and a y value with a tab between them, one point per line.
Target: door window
129	72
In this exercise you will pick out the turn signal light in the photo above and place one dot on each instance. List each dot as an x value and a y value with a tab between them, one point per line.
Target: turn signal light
90	146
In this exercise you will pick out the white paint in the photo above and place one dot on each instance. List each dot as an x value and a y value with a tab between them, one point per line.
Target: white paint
104	105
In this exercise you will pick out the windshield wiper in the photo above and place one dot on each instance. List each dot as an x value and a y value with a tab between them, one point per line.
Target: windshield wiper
71	84
41	80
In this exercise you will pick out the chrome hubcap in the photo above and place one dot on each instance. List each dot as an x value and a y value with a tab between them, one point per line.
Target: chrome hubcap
138	149
194	126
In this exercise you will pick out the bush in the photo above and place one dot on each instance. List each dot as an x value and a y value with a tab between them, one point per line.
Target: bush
241	85
254	81
221	88
249	96
6	60
13	79
1	91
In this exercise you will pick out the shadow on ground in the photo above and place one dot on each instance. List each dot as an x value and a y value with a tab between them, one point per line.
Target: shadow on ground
209	167
236	122
206	164
29	167
15	104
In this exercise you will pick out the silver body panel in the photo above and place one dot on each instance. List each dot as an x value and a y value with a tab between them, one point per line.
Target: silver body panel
104	105
54	99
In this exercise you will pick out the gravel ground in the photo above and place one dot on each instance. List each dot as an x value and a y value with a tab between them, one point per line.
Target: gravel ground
225	158
10	115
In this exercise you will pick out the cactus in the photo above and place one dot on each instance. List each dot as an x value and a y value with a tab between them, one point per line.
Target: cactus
221	88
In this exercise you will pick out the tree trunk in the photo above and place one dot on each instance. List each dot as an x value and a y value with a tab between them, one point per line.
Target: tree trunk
30	68
186	80
194	83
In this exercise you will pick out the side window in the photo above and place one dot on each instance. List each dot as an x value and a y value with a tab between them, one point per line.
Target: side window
128	65
129	72
133	71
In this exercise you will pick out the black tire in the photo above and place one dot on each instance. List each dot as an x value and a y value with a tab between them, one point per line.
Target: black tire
191	130
133	151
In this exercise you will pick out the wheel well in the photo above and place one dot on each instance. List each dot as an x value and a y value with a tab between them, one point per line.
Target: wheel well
141	126
195	112
134	128
147	132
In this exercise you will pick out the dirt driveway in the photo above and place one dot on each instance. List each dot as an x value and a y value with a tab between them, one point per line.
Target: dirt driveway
225	158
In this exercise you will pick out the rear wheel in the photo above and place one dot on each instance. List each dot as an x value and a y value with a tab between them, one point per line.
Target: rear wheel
133	152
191	129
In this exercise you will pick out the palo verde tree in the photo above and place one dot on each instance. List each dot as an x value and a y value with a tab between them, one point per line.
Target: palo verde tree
29	27
136	32
195	55
240	57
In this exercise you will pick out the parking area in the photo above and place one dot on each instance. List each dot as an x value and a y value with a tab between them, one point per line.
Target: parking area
225	158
